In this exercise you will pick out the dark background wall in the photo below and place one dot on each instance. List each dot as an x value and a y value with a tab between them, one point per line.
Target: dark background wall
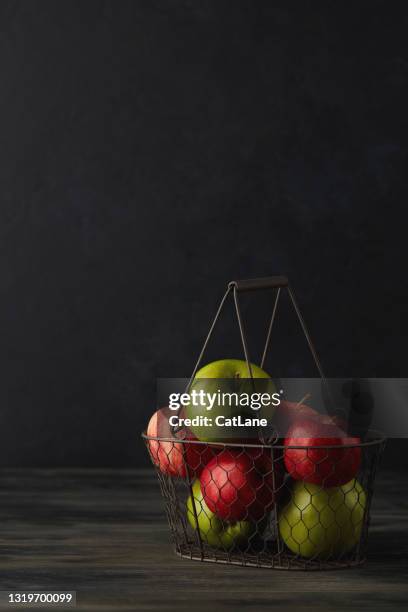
153	150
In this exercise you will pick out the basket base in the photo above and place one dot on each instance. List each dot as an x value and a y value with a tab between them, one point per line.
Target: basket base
280	561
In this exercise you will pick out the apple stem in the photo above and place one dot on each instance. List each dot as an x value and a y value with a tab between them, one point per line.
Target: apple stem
306	397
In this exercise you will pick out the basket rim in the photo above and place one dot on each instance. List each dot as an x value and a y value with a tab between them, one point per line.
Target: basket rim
376	441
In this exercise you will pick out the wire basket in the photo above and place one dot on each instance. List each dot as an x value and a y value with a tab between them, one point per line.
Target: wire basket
269	504
239	504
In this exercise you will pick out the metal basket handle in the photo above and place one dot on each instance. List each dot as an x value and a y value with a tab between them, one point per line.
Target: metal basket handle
256	284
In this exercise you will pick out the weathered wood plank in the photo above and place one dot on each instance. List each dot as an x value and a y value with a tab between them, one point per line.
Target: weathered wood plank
103	534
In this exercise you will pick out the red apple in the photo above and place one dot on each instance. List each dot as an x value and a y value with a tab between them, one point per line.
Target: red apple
198	455
287	413
325	466
238	484
168	455
339	421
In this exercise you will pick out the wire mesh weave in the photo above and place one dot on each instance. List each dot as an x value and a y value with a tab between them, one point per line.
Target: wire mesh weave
250	505
269	504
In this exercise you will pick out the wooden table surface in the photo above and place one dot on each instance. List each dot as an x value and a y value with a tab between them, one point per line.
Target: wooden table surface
103	534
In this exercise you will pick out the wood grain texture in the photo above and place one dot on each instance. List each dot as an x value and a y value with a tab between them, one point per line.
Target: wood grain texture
103	533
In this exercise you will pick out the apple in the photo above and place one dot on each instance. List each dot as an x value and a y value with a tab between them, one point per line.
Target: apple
322	522
241	484
229	376
230	368
213	531
323	466
288	412
168	455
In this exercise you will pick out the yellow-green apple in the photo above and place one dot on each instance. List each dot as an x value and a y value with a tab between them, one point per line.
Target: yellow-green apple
167	455
320	522
229	376
213	531
334	462
241	484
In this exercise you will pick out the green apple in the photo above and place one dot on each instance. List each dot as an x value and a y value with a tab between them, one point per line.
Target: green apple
214	531
321	522
230	368
229	376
